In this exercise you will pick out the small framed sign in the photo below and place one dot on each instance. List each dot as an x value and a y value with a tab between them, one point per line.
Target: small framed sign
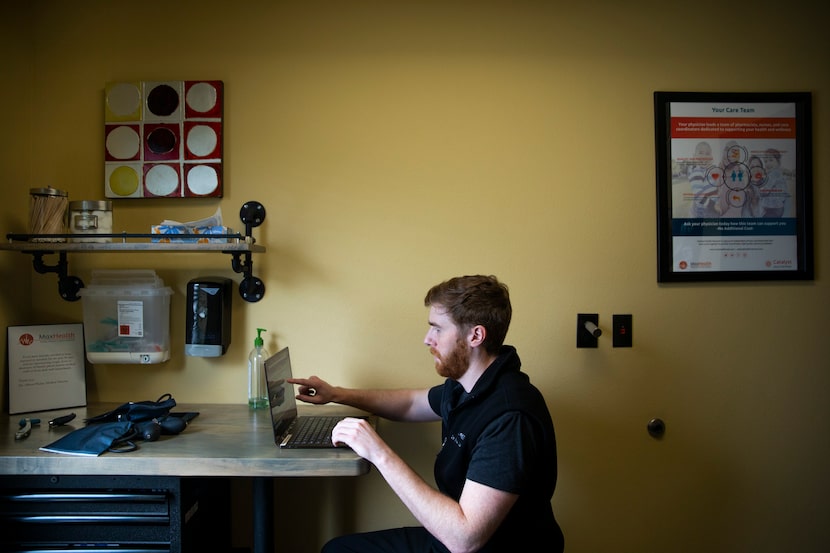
734	186
46	367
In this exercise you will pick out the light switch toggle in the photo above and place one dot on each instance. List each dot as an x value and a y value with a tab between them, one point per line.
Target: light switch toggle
587	330
591	327
622	331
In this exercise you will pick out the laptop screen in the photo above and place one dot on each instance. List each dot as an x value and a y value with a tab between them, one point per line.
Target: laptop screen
283	405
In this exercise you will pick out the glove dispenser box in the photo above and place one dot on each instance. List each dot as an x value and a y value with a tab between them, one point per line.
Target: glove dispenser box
208	317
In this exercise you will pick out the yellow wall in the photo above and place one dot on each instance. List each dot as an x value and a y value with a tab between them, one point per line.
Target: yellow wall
395	144
16	74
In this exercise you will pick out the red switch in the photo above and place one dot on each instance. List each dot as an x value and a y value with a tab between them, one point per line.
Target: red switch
622	331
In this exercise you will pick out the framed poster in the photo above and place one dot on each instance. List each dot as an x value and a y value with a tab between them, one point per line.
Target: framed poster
734	186
46	367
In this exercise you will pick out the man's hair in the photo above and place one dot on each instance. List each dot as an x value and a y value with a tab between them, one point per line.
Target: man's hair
475	300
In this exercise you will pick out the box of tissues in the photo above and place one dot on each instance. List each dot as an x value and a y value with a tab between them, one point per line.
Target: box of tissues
172	231
168	233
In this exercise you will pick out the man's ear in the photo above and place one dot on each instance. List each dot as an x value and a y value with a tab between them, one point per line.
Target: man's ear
477	335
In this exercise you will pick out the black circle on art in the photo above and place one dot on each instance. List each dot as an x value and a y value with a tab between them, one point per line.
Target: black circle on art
161	141
162	100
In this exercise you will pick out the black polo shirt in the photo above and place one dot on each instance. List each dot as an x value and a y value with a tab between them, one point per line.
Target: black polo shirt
501	435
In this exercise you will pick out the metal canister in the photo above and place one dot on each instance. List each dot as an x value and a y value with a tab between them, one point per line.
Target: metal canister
90	217
47	213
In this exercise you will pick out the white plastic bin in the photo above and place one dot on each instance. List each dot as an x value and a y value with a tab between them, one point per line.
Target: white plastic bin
126	317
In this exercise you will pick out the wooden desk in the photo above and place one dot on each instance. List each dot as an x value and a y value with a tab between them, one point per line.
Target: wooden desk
223	441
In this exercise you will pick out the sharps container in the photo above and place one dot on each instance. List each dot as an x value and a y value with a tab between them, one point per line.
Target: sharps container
126	317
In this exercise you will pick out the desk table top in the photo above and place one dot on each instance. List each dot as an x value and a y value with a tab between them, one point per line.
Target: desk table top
224	440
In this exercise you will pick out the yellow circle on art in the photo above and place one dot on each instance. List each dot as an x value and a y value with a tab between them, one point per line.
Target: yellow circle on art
124	181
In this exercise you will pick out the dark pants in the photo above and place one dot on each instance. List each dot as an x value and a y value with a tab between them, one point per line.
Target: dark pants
394	540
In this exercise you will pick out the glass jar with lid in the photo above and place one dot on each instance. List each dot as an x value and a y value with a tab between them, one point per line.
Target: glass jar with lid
90	217
47	213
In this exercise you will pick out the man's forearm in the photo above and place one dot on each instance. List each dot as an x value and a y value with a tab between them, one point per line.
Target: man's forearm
397	405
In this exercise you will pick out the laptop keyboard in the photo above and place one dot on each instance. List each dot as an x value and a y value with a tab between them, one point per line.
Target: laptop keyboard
313	432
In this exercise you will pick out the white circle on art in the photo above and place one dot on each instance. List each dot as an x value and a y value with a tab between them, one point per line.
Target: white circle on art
161	180
123	143
201	140
201	97
202	180
124	99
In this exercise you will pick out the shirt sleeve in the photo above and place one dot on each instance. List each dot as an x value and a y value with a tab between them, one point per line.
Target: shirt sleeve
435	398
502	458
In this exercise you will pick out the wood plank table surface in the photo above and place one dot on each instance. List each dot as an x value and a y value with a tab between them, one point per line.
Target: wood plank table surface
225	440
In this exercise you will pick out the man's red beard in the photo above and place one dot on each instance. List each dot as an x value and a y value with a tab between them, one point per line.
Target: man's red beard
456	363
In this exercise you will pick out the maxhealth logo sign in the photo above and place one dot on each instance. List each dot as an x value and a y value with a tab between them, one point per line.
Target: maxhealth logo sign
27	339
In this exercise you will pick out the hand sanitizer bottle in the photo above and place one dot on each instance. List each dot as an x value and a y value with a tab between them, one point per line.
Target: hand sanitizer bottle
257	388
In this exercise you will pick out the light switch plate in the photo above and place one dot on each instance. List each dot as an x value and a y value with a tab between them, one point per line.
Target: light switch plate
622	331
584	338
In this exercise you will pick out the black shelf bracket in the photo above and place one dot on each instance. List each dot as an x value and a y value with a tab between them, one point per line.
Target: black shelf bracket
252	289
68	286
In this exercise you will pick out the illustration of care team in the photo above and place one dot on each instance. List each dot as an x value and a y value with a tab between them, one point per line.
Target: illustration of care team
740	184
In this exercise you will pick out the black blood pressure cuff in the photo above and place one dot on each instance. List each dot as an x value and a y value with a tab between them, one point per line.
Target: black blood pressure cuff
137	411
118	430
93	440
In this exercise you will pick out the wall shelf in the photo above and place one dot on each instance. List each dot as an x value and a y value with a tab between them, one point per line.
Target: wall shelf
240	247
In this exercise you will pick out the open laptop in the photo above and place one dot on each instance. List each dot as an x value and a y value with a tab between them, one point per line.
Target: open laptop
290	430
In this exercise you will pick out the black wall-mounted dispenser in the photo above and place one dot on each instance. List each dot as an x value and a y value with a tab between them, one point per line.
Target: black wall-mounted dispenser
208	318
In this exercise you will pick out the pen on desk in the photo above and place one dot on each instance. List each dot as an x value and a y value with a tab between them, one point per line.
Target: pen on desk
60	421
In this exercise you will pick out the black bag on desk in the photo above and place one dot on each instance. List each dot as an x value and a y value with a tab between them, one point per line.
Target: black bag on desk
93	440
119	430
137	411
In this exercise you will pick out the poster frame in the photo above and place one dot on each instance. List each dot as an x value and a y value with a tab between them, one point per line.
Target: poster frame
732	249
